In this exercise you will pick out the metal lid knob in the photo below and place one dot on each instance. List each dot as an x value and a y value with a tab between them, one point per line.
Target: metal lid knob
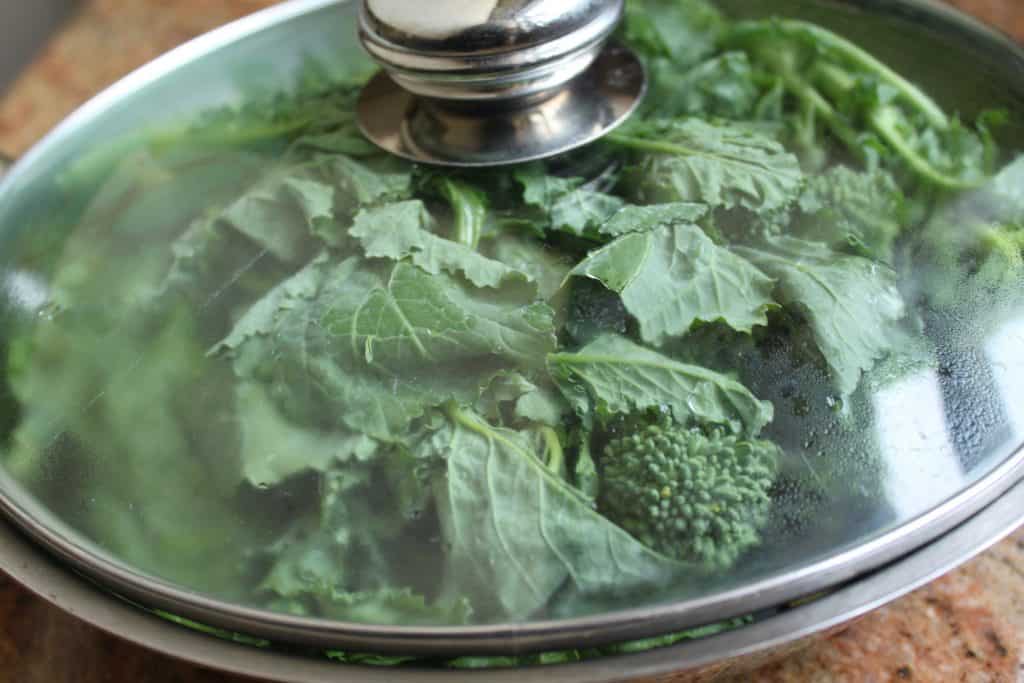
490	82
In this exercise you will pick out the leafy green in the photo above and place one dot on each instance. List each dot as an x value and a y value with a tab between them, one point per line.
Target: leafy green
682	31
708	282
403	230
723	86
281	367
859	212
564	204
613	375
546	267
517	532
644	218
970	254
860	100
722	165
852	304
338	563
273	448
337	338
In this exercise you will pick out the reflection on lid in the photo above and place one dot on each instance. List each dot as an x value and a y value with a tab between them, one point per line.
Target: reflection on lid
1005	351
921	463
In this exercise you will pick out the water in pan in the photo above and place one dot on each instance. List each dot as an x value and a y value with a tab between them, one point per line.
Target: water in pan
255	357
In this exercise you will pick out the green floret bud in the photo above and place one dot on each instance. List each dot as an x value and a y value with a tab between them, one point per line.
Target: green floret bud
691	496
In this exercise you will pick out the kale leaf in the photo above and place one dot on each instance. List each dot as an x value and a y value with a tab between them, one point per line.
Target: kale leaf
613	375
337	339
723	165
518	532
852	304
708	282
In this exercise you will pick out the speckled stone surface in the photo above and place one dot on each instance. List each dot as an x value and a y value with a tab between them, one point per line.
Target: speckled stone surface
967	626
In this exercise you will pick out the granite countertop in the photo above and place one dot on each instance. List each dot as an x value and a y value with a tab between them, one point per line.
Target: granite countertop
967	626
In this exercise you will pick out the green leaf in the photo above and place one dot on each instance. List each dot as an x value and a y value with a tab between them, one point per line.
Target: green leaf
542	405
644	218
403	231
219	271
518	533
511	398
672	277
864	103
614	376
338	548
359	186
129	403
970	253
851	303
858	212
345	561
566	205
269	215
722	165
721	87
295	202
542	264
348	141
501	394
273	448
683	31
337	339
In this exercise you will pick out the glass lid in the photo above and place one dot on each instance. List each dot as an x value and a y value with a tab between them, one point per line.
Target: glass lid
764	337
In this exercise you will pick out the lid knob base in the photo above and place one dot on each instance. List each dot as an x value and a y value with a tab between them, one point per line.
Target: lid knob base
472	134
492	82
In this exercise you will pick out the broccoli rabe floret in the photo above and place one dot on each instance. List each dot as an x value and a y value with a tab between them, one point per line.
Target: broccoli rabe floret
696	497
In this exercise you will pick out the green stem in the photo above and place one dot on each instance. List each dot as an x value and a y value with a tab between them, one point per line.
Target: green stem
470	421
647	145
821	40
885	121
835	58
586	477
554	451
663	147
100	161
470	209
226	137
1008	246
808	94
